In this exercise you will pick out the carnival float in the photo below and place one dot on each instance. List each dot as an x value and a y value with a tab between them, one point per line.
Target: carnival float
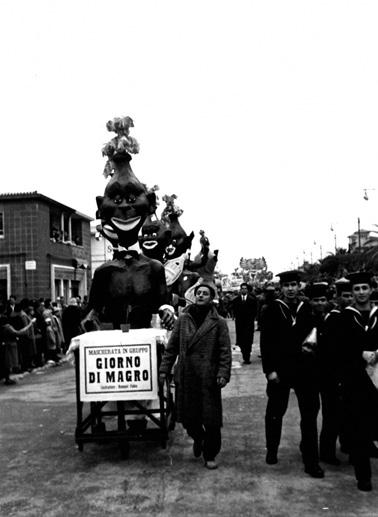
133	301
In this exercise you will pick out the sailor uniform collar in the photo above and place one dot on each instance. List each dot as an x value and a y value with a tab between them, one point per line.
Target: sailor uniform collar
372	321
293	317
332	311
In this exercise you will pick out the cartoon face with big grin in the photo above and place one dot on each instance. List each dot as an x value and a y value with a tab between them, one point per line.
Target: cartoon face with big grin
125	206
154	239
180	242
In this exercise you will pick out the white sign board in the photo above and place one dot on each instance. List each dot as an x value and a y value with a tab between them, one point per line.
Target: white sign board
30	264
119	366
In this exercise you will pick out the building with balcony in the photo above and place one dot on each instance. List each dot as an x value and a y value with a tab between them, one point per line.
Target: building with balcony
45	248
363	238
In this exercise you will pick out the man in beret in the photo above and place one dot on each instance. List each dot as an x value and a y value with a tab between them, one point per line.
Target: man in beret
200	339
359	330
285	325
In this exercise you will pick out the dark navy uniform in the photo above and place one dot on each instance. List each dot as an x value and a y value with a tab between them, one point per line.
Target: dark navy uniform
359	333
329	346
284	328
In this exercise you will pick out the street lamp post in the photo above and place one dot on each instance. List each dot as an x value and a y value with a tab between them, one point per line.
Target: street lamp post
366	198
359	233
334	237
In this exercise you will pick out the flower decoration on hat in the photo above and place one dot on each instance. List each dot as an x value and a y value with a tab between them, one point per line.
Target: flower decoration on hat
120	145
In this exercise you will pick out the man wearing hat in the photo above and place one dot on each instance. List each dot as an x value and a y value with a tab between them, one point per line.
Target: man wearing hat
329	346
344	294
245	310
359	331
285	325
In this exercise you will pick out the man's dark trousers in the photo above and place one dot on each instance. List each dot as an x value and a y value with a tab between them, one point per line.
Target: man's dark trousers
245	313
309	404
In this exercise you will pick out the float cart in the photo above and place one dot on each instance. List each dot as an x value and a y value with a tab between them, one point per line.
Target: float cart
118	395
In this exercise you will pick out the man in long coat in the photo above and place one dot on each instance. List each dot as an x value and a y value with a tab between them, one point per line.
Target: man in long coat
201	340
245	311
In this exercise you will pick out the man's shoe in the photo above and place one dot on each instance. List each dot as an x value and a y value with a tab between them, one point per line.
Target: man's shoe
271	458
211	465
331	460
314	471
247	361
364	485
197	448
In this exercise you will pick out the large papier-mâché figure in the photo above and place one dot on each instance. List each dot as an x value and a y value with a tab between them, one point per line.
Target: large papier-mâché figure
131	287
179	244
154	239
203	265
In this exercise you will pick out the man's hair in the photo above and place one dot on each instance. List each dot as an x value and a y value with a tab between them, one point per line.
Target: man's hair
209	287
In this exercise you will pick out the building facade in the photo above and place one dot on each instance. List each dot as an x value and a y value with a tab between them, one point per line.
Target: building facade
45	248
362	239
101	249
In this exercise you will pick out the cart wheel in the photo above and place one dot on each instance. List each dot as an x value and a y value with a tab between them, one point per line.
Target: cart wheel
80	446
124	447
172	425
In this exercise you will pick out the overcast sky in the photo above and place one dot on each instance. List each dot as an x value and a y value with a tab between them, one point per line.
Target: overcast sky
261	116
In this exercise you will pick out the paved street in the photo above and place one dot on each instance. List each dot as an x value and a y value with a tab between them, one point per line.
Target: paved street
43	473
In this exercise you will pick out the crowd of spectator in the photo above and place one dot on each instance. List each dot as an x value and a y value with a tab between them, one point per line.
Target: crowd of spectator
36	332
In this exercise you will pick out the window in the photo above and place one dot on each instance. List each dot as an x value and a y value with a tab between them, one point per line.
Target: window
1	225
65	228
56	234
77	232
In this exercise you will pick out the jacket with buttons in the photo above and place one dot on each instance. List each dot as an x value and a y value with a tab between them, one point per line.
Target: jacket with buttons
204	354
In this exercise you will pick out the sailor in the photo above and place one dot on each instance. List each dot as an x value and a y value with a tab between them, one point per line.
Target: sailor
359	330
285	325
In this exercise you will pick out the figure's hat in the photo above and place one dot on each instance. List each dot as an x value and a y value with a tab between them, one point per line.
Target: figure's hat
343	285
317	290
119	209
290	276
118	151
360	277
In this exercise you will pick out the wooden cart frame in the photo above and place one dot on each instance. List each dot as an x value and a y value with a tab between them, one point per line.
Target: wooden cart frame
91	428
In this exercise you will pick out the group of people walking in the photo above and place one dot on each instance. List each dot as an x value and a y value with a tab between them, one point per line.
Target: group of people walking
326	350
323	352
